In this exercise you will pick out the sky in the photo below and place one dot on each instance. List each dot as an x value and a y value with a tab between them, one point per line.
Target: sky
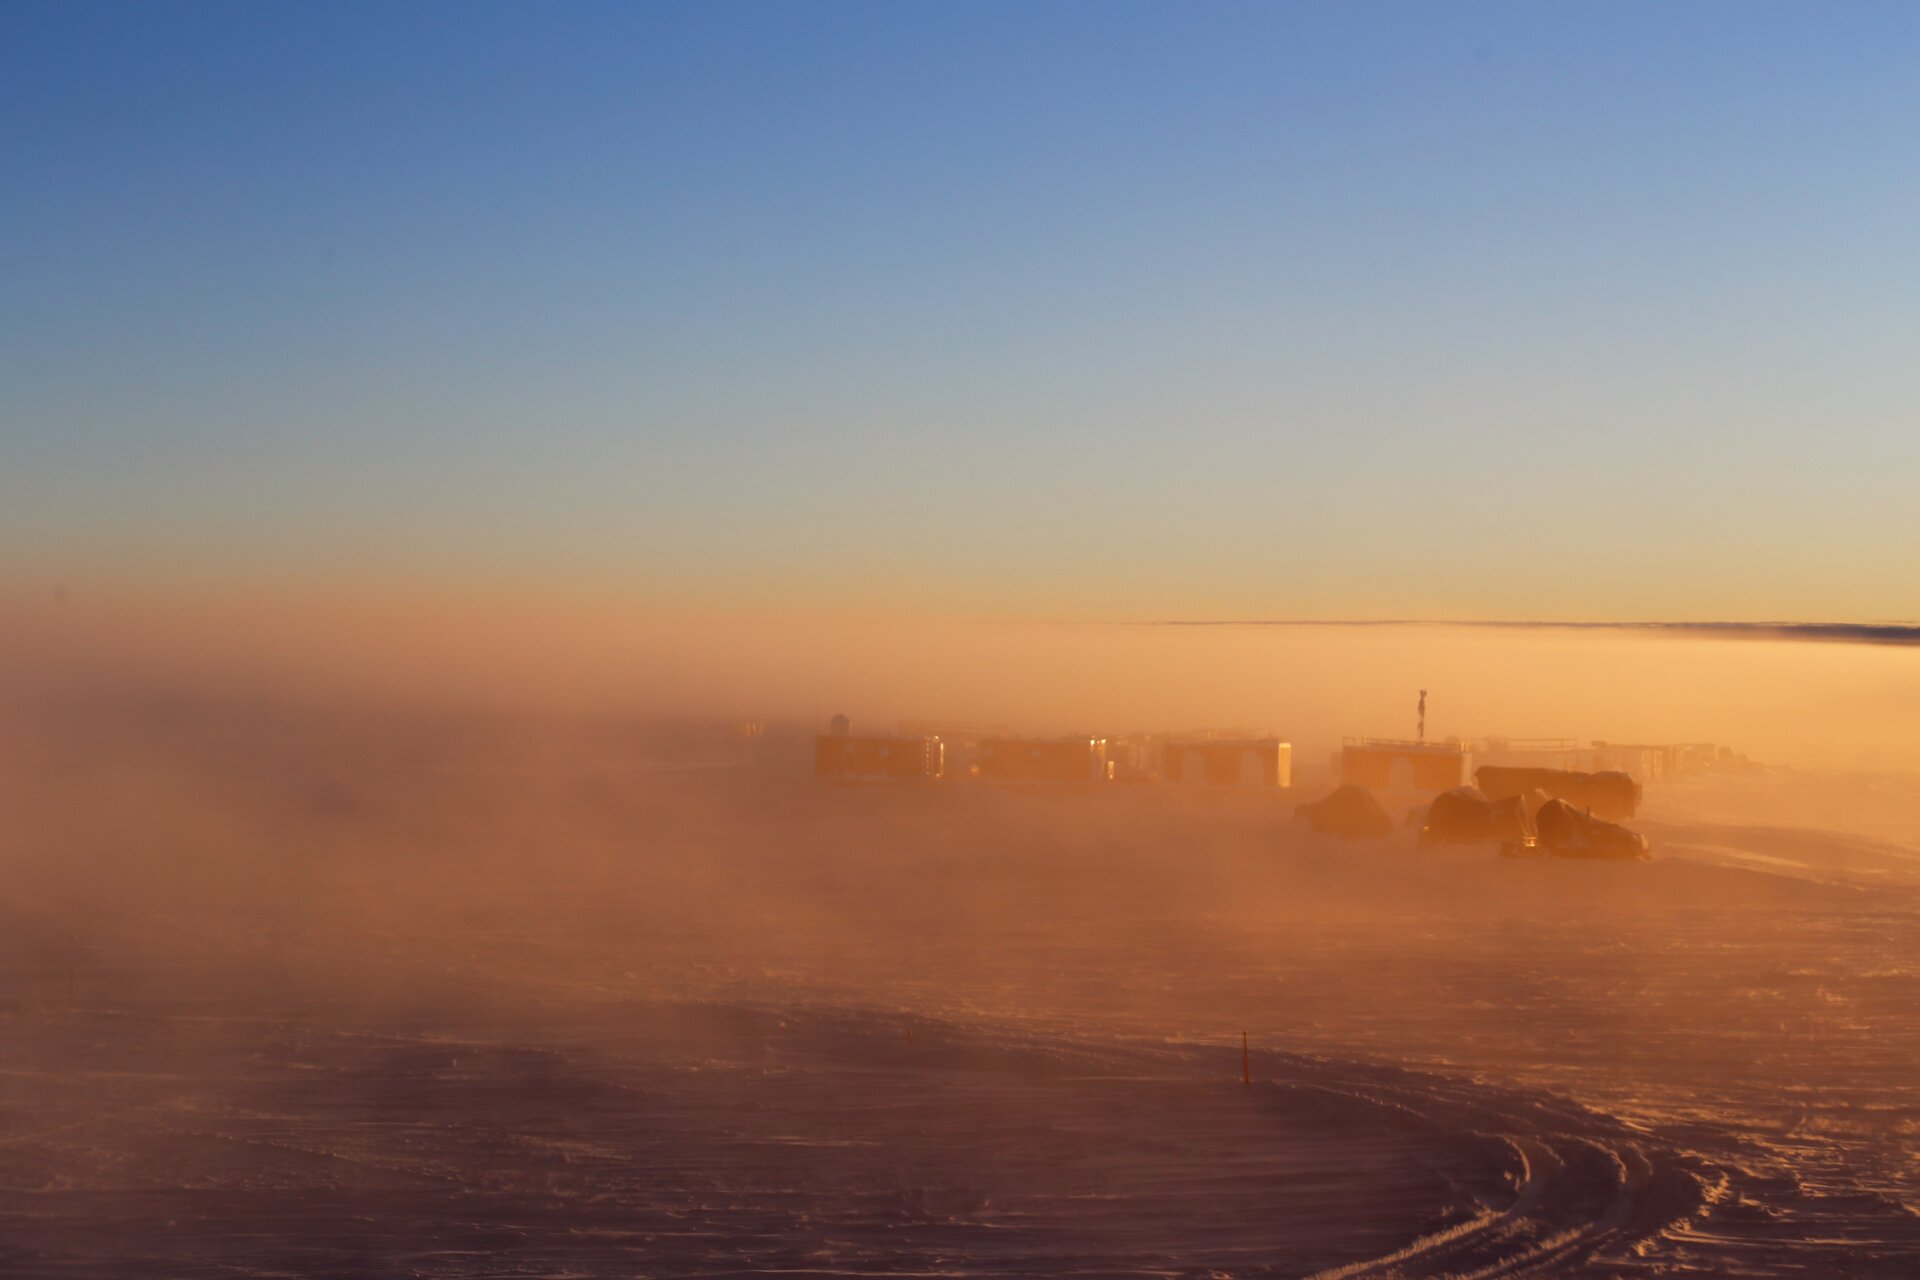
1033	311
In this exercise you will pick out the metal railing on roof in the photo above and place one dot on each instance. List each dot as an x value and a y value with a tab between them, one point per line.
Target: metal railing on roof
1451	747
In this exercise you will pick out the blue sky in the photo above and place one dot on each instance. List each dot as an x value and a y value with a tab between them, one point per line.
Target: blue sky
1078	310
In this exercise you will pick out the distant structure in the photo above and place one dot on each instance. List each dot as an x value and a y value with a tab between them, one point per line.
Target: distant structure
1387	764
1646	762
1248	764
1651	762
1239	760
959	738
1529	753
1043	761
1135	758
844	758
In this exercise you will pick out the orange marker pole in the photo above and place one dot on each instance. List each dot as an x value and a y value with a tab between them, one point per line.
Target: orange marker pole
1246	1061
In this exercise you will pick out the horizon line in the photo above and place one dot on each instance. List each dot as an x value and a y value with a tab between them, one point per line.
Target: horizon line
1887	633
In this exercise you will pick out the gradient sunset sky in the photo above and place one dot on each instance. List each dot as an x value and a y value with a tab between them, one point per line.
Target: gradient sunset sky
1042	310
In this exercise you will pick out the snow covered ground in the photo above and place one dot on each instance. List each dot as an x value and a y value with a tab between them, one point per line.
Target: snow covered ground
308	1013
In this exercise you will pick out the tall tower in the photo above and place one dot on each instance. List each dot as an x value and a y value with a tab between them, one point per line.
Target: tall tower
1423	715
